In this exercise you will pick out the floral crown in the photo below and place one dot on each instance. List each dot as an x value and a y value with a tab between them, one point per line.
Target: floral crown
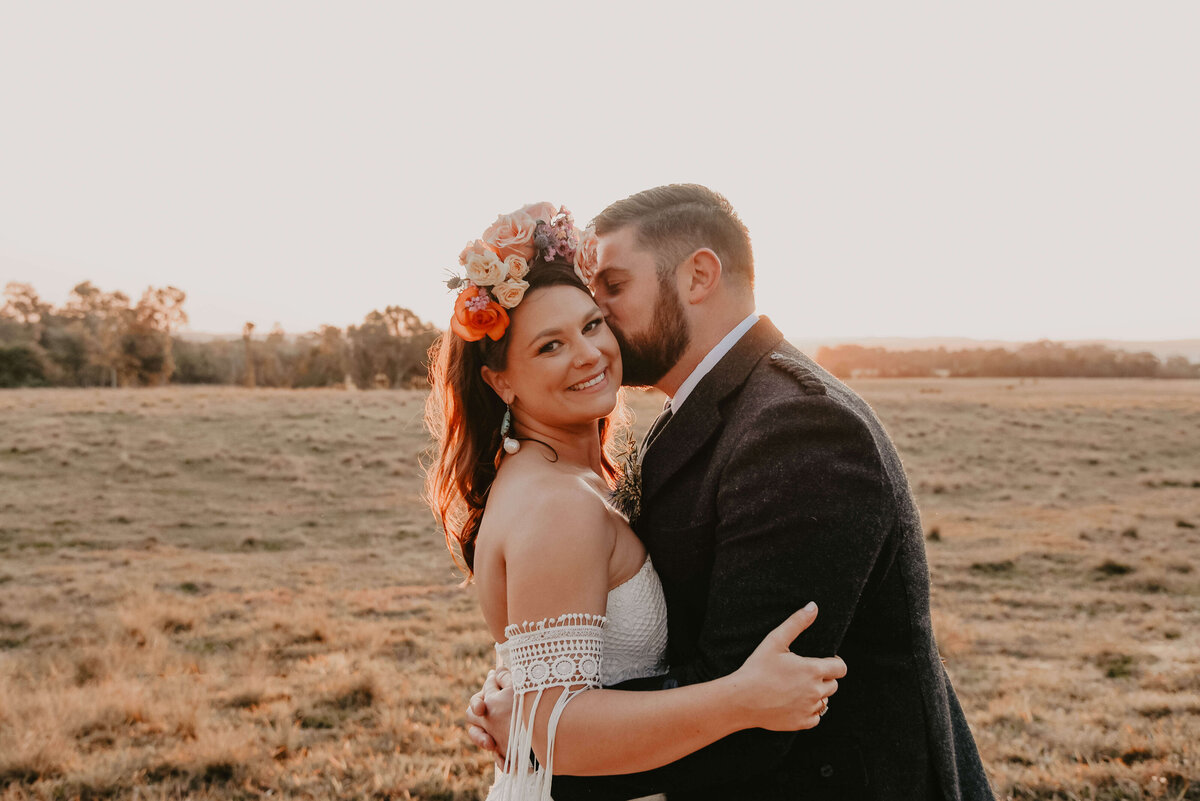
497	263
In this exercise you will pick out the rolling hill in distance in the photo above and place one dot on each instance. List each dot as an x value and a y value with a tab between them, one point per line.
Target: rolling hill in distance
1163	349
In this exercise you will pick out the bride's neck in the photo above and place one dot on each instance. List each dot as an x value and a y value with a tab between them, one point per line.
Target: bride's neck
576	446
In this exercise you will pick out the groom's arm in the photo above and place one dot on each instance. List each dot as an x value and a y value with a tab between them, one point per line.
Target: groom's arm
803	509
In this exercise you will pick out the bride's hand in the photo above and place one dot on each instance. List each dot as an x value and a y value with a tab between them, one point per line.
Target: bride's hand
781	691
489	712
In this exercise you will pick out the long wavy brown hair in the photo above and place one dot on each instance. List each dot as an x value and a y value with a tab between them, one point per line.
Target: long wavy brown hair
464	415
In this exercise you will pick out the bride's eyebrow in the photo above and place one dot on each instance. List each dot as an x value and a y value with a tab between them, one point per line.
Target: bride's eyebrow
556	331
548	332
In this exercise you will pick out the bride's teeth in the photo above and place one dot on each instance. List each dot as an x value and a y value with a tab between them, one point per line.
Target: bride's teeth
591	383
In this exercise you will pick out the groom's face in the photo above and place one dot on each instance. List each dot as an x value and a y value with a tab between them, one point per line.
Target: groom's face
641	305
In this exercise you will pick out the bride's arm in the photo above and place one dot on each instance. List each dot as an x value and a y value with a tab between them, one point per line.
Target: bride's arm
558	564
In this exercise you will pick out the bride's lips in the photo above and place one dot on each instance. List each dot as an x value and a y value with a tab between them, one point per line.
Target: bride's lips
592	382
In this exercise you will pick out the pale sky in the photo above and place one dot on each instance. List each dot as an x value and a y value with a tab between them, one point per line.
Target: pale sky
1018	170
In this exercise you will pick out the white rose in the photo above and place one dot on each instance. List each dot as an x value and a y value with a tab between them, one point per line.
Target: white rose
484	269
510	293
517	267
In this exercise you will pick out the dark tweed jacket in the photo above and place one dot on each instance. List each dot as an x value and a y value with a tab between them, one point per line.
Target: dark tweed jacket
774	485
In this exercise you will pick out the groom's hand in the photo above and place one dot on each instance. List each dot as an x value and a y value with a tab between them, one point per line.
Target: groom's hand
489	712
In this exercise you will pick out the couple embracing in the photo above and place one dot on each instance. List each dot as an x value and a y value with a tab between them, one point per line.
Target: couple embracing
658	620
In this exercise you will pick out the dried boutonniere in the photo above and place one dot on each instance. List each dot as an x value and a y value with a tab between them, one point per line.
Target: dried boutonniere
627	497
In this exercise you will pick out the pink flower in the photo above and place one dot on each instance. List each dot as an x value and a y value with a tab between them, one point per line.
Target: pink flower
517	267
540	211
511	234
585	255
476	248
510	293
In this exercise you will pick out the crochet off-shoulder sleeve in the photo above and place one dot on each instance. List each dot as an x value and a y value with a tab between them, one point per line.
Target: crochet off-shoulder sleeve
556	652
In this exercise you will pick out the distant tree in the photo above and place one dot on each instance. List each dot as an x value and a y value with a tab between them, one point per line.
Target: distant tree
248	368
21	302
104	318
27	320
389	348
21	366
205	362
403	323
1180	367
271	365
323	360
149	339
65	352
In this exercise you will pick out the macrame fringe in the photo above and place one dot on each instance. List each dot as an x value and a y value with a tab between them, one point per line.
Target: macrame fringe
554	652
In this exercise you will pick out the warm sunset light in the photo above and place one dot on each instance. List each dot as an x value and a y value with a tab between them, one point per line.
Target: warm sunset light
336	458
1016	172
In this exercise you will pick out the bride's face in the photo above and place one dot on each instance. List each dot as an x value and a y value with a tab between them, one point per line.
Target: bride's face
563	364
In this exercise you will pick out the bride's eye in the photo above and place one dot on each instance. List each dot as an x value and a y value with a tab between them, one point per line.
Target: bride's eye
549	347
593	325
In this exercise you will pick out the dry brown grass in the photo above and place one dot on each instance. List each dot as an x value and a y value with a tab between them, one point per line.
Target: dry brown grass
220	593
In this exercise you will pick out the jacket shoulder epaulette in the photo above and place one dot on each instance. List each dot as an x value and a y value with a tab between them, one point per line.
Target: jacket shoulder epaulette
805	377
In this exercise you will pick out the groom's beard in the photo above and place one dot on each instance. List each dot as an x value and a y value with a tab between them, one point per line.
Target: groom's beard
648	355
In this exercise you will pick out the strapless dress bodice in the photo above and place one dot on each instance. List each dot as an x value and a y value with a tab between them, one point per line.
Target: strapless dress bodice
635	630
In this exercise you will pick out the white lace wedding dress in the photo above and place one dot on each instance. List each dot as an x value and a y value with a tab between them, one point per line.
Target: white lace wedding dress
577	651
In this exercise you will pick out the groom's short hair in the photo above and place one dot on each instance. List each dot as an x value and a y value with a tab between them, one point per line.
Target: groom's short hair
675	220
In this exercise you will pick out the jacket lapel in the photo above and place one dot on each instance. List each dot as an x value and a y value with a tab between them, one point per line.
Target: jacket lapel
700	414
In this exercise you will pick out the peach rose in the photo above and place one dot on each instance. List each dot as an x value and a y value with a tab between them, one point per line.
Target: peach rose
540	211
509	293
585	256
476	315
485	269
511	234
477	247
517	267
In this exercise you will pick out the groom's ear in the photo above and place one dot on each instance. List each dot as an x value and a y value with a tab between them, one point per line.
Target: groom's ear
498	383
703	274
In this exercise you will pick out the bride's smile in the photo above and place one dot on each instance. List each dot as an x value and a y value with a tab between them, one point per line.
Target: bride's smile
591	383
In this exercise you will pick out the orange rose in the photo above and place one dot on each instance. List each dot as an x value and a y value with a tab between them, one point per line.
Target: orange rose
540	211
511	234
476	315
585	255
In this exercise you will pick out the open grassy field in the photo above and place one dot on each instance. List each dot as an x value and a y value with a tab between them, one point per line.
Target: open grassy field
222	593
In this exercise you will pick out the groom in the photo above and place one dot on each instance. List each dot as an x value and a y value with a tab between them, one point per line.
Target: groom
767	483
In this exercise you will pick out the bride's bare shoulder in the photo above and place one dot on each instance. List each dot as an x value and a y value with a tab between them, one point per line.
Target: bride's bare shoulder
548	533
533	502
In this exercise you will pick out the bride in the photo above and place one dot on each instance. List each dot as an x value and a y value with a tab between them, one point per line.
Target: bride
523	386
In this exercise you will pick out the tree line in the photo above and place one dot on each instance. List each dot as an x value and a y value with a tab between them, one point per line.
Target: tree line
1043	359
102	338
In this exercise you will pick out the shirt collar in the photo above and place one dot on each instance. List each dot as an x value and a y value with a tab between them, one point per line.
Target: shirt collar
710	361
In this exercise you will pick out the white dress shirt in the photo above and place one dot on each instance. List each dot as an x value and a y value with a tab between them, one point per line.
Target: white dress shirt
710	361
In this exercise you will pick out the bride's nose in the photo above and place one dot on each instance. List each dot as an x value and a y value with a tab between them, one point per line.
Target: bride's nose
587	354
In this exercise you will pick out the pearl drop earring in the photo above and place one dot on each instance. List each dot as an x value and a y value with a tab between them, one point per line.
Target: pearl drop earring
511	445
